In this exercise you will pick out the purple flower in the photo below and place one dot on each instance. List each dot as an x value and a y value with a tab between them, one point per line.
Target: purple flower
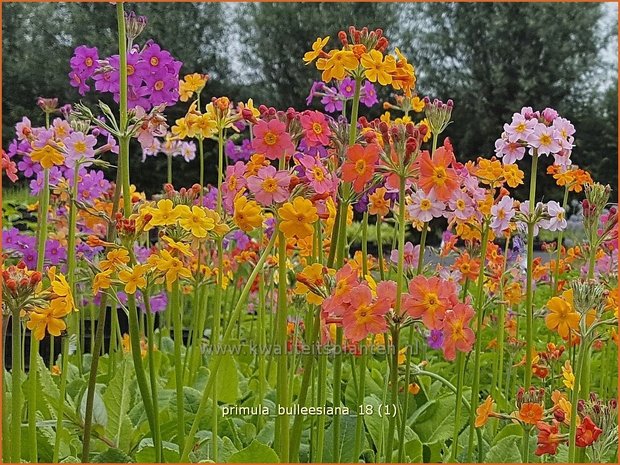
154	59
10	238
368	95
347	87
159	302
435	339
411	256
54	252
80	147
37	184
28	167
317	86
332	103
89	253
106	81
84	61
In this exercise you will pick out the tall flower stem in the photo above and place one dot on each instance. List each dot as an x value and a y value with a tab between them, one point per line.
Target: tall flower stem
498	369
217	358
400	284
150	323
574	399
460	374
556	276
169	171
529	289
16	388
281	335
177	313
475	394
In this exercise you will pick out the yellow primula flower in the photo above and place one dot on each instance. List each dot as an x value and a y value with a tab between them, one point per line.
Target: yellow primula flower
165	214
378	67
115	259
134	278
417	104
317	48
337	65
297	218
48	320
195	220
248	214
47	156
568	375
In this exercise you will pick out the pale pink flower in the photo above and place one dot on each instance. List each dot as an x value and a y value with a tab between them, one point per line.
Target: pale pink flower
270	185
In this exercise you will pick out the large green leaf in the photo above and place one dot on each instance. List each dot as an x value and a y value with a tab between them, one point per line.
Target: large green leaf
505	451
256	452
513	429
434	421
112	456
227	380
100	413
346	441
373	422
118	399
146	451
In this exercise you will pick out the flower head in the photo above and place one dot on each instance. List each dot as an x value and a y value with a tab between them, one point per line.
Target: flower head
297	218
360	165
272	140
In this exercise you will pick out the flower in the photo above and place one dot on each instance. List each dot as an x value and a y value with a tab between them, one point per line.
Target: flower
428	299
195	220
297	217
424	207
165	214
360	165
320	180
272	140
247	214
378	204
557	218
171	266
336	65
562	317
587	433
102	280
49	319
484	411
80	147
316	130
530	413
317	48
568	375
269	185
366	316
543	138
549	438
134	278
47	156
115	259
502	212
378	68
436	175
310	279
457	335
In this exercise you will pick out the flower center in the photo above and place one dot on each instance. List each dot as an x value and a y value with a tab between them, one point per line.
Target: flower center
270	185
159	85
360	166
154	61
545	139
80	146
130	70
270	138
317	173
317	128
460	204
425	204
88	61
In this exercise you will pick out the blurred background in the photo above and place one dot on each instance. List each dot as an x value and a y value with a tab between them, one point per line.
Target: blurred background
490	58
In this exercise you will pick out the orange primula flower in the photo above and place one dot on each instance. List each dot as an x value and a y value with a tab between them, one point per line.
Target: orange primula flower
484	411
436	174
360	165
530	413
468	266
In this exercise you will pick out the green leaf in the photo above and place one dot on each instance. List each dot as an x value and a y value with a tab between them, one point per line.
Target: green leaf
100	413
373	422
413	450
435	420
227	381
505	451
118	398
346	441
112	456
512	429
256	452
146	451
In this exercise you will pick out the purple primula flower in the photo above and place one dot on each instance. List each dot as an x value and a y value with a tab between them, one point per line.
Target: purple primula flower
317	86
332	103
75	80
84	61
368	95
54	252
159	302
89	253
28	167
347	87
106	81
435	339
80	147
10	238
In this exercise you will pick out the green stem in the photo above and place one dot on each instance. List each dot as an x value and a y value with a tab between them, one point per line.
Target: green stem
475	394
261	347
460	363
150	320
525	444
529	290
169	176
217	358
389	448
178	364
380	248
16	389
556	277
281	336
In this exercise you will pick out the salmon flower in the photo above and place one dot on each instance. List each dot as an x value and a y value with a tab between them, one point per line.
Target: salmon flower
457	334
428	299
378	204
297	218
562	316
272	140
366	315
360	165
549	438
346	279
316	130
436	174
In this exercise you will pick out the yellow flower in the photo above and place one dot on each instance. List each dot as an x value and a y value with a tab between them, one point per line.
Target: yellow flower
220	228
165	214
48	156
248	214
171	266
134	278
178	246
311	277
115	259
201	125
428	134
386	117
417	104
378	68
102	281
181	129
337	65
484	411
568	375
317	48
562	316
48	319
513	175
297	218
248	106
61	288
195	220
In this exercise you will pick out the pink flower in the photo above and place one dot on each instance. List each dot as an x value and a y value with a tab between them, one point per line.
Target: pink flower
544	139
235	181
502	213
79	147
510	152
270	185
411	256
520	128
320	180
429	299
457	334
316	130
8	167
272	140
23	129
425	207
336	304
461	206
557	217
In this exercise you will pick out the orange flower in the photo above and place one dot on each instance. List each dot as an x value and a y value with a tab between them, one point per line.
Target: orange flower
484	411
436	175
360	165
530	413
469	267
562	316
378	204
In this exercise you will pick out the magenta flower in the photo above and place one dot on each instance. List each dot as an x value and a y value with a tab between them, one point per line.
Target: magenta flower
106	81
368	95
28	167
79	147
154	59
332	103
235	181
316	129
270	185
347	87
272	140
84	61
